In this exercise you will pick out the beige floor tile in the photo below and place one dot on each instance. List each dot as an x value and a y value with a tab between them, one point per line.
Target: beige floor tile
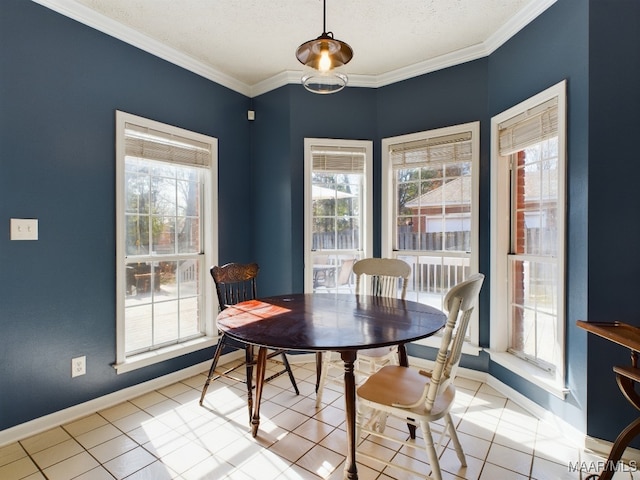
11	453
85	424
236	452
314	430
290	419
450	463
211	468
119	411
112	448
52	455
45	440
320	461
98	436
71	467
183	458
131	422
336	441
294	472
264	465
35	476
510	459
148	399
98	473
494	472
18	469
543	469
292	447
155	471
129	462
174	389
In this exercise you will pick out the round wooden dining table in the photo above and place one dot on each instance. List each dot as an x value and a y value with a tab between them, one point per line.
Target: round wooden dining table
328	322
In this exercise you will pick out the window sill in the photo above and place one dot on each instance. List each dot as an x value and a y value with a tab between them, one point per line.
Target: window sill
149	358
529	372
436	340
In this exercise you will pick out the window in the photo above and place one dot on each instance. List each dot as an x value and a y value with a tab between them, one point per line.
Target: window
164	200
528	218
430	209
338	227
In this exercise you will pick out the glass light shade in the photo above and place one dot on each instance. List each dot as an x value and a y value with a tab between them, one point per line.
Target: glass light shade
324	82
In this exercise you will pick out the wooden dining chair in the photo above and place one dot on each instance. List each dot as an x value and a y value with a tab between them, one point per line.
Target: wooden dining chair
421	397
381	277
235	283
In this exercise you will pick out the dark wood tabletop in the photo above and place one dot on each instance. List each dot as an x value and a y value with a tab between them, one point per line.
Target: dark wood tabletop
321	322
618	332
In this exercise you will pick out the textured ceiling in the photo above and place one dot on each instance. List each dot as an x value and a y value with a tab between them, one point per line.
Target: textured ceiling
249	45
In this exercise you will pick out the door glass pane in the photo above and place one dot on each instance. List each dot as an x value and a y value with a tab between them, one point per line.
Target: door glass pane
337	196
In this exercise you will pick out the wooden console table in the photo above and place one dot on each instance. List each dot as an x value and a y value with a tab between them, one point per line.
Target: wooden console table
628	336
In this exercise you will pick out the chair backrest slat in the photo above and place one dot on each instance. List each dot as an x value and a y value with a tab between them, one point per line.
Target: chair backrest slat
235	283
382	277
459	302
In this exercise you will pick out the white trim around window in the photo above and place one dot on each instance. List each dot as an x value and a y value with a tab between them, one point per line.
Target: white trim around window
338	156
469	135
501	242
165	136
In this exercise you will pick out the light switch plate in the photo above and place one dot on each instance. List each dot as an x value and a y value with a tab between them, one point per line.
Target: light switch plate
24	229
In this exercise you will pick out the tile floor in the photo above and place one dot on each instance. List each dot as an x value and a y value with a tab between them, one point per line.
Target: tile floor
165	434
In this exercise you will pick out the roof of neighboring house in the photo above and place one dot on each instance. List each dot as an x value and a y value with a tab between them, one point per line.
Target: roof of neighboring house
454	192
458	191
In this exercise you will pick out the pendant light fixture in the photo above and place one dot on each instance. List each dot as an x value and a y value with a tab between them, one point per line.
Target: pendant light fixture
321	56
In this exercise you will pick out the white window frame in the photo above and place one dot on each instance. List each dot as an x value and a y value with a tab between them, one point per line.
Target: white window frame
471	346
500	247
209	338
366	228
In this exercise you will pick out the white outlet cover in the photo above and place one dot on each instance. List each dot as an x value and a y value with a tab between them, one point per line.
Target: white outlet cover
78	366
24	229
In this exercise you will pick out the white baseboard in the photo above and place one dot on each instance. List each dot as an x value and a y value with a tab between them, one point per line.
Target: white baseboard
603	447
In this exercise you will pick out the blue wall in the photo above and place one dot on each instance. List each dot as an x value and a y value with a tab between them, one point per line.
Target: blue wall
613	176
60	87
284	117
62	82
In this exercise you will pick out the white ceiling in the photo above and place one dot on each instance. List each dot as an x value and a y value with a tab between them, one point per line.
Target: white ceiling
249	45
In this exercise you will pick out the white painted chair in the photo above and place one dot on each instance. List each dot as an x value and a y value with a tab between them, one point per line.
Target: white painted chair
382	277
419	397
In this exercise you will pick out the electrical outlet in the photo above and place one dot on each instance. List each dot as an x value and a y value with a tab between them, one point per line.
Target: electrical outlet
78	366
24	229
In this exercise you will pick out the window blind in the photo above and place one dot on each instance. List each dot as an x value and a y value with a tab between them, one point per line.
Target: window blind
150	144
528	128
442	149
338	159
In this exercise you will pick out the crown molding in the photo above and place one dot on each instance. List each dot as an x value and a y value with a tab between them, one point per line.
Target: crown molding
516	23
106	25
